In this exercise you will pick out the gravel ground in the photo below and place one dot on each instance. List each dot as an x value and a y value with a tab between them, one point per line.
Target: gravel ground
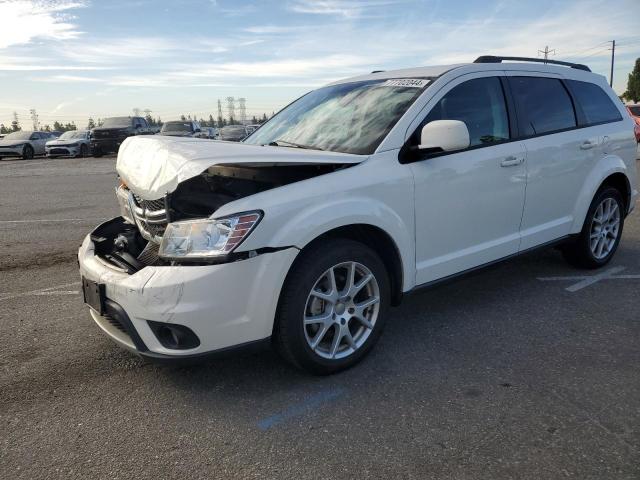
497	375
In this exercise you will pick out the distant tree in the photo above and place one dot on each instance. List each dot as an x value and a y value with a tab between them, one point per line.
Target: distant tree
183	118
57	126
91	124
47	128
15	123
212	122
633	84
232	121
3	129
150	120
254	120
70	126
159	122
264	118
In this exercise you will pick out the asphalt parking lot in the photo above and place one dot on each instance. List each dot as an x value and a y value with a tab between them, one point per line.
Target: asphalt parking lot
518	371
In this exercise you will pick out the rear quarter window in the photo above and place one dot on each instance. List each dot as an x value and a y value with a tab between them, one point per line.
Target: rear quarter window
596	105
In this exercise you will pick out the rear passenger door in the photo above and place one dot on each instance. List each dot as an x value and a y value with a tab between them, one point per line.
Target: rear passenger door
559	155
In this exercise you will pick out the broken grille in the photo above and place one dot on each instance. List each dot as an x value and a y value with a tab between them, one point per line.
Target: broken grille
150	217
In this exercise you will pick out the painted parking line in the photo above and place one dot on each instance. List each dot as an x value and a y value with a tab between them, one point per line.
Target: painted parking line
53	220
298	409
583	281
45	291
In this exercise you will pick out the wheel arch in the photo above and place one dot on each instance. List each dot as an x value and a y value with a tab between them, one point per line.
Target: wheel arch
611	171
380	242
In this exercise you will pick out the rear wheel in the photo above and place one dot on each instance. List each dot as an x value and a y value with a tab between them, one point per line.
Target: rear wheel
601	233
333	306
27	152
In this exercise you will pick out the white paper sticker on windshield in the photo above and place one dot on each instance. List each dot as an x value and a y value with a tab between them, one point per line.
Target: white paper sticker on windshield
406	82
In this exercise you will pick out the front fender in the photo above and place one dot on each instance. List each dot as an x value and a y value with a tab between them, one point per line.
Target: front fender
606	167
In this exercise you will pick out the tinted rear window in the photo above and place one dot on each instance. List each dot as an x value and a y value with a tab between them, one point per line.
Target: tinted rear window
544	103
595	103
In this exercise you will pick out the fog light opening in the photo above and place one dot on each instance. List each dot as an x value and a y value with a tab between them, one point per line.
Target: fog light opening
174	337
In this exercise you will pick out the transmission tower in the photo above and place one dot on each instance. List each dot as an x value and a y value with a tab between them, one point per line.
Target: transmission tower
136	112
34	119
231	108
243	110
546	52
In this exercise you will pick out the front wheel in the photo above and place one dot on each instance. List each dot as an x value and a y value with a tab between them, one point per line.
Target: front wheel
83	150
601	233
27	152
333	306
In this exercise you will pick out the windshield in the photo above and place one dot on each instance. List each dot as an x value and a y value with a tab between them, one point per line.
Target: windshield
73	134
18	136
349	117
635	110
176	127
116	122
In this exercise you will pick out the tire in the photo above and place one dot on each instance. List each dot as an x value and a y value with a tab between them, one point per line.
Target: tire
600	236
27	152
97	152
358	326
83	151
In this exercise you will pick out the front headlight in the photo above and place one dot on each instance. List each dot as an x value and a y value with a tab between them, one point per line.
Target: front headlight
122	194
207	238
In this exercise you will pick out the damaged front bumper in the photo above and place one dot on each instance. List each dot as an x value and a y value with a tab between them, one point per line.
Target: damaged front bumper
223	305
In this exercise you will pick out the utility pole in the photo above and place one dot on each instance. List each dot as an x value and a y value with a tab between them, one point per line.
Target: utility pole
219	114
231	108
613	55
34	119
243	110
546	53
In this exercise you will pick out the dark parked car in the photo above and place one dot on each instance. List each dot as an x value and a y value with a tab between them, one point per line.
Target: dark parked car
187	128
107	137
234	133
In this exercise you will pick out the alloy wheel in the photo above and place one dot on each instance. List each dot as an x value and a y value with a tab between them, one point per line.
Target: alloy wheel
341	310
605	228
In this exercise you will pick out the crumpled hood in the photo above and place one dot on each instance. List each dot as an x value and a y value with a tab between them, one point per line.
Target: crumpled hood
153	166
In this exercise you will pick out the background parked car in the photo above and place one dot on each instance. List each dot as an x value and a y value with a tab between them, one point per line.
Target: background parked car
23	143
179	128
234	133
75	143
211	133
253	128
108	137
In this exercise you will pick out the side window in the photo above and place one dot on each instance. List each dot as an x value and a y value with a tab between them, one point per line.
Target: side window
544	105
480	104
595	103
35	136
143	122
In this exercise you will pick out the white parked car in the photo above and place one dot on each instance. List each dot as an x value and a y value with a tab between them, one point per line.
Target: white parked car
74	143
354	195
23	143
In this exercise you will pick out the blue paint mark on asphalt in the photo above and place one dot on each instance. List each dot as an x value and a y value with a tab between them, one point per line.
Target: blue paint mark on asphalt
299	408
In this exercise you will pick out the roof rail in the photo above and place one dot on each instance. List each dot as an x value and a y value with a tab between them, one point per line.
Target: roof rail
499	59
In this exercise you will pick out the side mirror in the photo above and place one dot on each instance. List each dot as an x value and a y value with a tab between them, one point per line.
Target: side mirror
444	135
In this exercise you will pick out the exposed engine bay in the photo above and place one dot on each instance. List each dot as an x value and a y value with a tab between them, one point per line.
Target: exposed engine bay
132	241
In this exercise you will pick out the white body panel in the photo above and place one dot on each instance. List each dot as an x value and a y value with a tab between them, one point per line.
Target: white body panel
444	214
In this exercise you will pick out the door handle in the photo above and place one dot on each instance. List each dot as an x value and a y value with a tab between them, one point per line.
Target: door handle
511	161
587	144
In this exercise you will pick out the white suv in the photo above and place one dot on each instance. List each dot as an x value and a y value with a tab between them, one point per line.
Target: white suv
352	196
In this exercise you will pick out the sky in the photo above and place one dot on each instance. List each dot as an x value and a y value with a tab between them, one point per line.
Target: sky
75	59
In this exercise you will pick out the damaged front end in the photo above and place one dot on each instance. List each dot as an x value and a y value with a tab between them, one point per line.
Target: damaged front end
132	241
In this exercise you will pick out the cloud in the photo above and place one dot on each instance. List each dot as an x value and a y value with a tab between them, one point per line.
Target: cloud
67	79
26	20
343	8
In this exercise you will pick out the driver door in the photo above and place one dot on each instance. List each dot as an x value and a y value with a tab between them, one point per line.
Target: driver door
469	203
38	140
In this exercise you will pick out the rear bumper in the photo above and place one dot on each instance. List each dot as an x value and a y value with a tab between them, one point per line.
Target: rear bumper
226	305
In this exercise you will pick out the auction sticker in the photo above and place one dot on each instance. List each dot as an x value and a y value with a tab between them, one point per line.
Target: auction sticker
406	82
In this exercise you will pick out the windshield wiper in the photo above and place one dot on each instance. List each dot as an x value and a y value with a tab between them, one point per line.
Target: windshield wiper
284	143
